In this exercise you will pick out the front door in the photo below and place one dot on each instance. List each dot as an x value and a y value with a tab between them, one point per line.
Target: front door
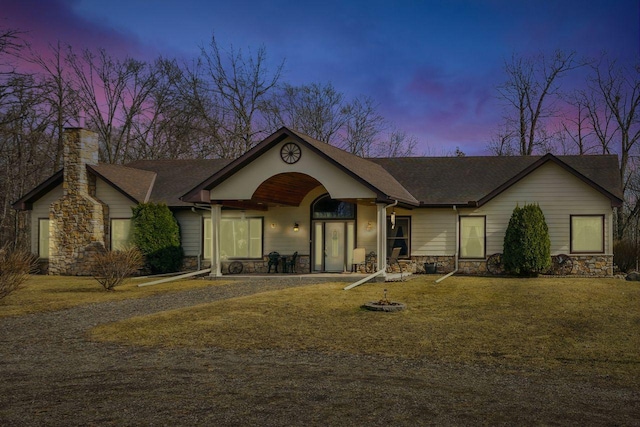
333	245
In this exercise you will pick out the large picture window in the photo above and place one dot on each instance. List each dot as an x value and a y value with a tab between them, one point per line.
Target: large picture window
587	233
43	238
399	236
121	234
239	238
472	237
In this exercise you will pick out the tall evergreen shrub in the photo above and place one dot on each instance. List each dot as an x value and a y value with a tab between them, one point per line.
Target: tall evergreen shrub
527	247
157	234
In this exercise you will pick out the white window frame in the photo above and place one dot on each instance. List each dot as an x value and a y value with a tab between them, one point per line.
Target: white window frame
482	239
119	243
577	244
254	244
44	225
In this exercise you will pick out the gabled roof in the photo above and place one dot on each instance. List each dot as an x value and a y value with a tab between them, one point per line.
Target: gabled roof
370	174
413	181
473	181
176	177
136	184
25	202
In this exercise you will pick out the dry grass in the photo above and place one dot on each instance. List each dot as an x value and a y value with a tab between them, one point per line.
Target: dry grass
586	325
49	293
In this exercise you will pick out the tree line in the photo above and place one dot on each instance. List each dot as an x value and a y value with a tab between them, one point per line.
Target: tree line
599	116
224	101
218	105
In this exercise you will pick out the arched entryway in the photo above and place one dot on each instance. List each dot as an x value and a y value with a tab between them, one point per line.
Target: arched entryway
334	234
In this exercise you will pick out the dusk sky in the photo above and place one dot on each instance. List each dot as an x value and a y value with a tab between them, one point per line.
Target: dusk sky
432	66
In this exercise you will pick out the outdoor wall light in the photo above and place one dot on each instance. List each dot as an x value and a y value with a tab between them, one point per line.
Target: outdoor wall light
273	225
369	226
393	220
296	227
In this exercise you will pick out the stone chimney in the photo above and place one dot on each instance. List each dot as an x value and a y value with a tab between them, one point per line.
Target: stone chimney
78	220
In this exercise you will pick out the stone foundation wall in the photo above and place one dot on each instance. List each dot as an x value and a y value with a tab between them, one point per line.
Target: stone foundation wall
583	265
262	266
592	265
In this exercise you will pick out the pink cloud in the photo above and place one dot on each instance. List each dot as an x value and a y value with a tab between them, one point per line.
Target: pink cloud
46	23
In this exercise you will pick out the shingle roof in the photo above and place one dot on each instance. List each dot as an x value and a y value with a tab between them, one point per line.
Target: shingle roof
176	177
371	175
368	172
460	180
424	181
133	183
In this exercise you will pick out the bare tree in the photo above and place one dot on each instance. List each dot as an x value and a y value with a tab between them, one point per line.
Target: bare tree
58	96
614	117
237	85
316	109
577	128
362	127
113	94
397	144
530	93
503	143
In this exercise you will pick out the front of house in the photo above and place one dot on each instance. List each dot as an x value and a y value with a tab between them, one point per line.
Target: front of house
293	194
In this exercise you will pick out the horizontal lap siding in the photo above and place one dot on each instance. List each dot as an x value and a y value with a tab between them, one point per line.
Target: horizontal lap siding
433	232
190	231
558	193
119	205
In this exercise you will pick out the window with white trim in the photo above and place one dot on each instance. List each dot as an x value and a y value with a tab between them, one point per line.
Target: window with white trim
43	238
121	234
239	238
587	233
472	237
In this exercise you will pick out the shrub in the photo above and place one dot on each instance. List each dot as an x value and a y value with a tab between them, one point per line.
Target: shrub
15	267
527	247
625	255
157	234
112	268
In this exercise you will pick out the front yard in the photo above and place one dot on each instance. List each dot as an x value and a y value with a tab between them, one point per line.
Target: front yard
587	326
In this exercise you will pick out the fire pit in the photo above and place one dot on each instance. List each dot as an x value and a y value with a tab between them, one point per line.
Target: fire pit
384	304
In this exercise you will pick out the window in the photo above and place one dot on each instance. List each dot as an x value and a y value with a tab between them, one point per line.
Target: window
43	238
327	208
121	234
472	237
239	238
587	233
399	236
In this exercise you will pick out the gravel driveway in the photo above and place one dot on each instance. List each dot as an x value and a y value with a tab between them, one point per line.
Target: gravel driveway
51	375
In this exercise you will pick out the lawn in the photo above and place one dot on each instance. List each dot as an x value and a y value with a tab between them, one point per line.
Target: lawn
589	326
50	293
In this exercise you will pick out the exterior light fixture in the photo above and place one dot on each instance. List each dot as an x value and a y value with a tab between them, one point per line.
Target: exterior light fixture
393	220
273	225
369	226
296	227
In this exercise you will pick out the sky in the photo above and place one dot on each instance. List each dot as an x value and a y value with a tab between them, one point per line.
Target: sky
432	67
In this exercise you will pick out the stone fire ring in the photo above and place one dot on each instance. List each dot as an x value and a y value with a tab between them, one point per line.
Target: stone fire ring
392	306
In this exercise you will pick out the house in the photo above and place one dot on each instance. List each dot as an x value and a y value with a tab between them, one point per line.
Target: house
291	193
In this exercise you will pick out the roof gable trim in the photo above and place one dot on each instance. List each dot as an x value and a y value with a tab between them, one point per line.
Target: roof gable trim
615	201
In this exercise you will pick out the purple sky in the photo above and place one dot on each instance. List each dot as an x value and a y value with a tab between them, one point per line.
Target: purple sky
433	66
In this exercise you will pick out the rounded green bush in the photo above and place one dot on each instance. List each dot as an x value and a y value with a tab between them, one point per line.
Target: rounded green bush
527	246
157	234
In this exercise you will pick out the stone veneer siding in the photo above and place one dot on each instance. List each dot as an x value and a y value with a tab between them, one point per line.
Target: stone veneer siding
583	265
78	220
593	266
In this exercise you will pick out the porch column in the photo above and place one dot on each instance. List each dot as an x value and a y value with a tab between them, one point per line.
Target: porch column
216	214
382	236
